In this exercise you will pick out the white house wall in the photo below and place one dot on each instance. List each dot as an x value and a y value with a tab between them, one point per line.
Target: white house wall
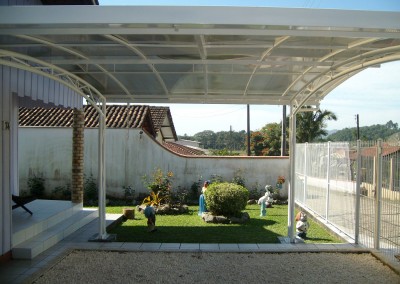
129	156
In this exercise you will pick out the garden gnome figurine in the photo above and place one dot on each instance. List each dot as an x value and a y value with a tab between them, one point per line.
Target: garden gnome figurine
302	225
150	214
264	201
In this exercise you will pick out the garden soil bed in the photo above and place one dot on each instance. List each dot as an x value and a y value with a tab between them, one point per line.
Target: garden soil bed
91	266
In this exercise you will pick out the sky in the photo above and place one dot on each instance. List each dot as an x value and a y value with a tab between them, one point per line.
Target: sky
373	94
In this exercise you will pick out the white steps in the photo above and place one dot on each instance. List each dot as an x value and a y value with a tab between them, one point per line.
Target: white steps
51	222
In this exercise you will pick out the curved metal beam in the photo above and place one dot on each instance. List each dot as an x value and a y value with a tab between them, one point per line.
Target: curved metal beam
326	57
277	43
138	52
56	73
357	58
78	54
353	69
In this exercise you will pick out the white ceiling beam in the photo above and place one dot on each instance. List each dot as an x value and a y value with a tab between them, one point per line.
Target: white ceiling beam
162	44
49	30
130	61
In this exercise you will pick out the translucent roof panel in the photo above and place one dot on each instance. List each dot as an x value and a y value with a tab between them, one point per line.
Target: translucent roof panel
201	54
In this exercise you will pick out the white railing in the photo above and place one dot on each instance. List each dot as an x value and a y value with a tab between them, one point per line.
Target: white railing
354	187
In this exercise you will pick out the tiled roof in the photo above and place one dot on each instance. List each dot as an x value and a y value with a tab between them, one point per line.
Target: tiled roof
117	116
182	150
51	117
162	121
158	115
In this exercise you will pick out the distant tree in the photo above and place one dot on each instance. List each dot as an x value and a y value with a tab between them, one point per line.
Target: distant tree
372	132
391	125
185	137
310	125
258	143
230	140
206	138
224	152
274	132
267	141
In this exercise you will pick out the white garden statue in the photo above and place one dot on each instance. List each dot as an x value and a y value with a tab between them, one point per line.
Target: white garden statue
265	201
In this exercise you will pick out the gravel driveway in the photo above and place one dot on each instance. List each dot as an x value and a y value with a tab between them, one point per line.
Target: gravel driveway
87	266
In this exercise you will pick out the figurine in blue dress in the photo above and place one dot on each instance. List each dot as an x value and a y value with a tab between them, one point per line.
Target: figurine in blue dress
202	201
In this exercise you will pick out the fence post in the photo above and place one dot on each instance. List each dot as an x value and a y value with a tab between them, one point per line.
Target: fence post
328	177
378	194
358	196
305	174
391	174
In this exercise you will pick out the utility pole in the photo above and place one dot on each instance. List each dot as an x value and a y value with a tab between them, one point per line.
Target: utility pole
230	139
248	131
358	127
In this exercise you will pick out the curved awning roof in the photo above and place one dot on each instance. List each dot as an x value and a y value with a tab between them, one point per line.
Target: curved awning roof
227	55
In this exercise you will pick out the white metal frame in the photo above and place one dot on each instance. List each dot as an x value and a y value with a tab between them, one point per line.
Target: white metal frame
88	92
358	40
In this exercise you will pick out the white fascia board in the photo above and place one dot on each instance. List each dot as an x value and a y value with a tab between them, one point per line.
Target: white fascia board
109	17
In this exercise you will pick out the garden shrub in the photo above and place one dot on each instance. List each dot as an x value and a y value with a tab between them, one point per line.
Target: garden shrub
90	189
227	199
36	186
63	192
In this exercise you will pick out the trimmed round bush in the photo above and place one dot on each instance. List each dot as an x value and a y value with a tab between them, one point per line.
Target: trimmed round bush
227	199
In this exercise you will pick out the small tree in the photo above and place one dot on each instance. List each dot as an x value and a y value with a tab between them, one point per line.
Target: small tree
227	199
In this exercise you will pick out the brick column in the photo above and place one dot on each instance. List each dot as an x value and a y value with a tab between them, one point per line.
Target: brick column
77	156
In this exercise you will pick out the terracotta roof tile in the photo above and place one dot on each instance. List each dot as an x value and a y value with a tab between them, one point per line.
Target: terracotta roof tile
182	150
153	119
158	114
118	116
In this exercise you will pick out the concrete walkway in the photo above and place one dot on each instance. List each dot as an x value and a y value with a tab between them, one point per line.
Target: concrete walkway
16	271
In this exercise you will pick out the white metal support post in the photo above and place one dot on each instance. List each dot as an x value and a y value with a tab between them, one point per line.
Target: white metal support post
358	189
102	236
328	182
378	194
102	189
305	175
291	213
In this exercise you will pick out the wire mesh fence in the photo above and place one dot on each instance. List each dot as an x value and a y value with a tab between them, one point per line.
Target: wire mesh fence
355	187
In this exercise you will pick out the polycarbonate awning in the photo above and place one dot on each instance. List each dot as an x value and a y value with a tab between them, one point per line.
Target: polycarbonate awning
229	55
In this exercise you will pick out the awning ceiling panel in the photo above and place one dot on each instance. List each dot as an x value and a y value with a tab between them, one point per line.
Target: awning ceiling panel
203	54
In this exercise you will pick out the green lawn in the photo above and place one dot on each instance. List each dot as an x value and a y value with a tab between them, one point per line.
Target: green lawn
190	228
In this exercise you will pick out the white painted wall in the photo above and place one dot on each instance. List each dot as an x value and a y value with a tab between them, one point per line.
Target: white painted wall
129	156
17	88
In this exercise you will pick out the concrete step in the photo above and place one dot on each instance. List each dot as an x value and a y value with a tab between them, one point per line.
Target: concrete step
53	234
46	213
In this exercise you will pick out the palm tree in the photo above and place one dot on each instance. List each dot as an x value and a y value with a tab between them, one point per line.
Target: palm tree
310	125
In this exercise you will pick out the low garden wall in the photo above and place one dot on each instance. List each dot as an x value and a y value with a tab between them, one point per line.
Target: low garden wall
130	155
